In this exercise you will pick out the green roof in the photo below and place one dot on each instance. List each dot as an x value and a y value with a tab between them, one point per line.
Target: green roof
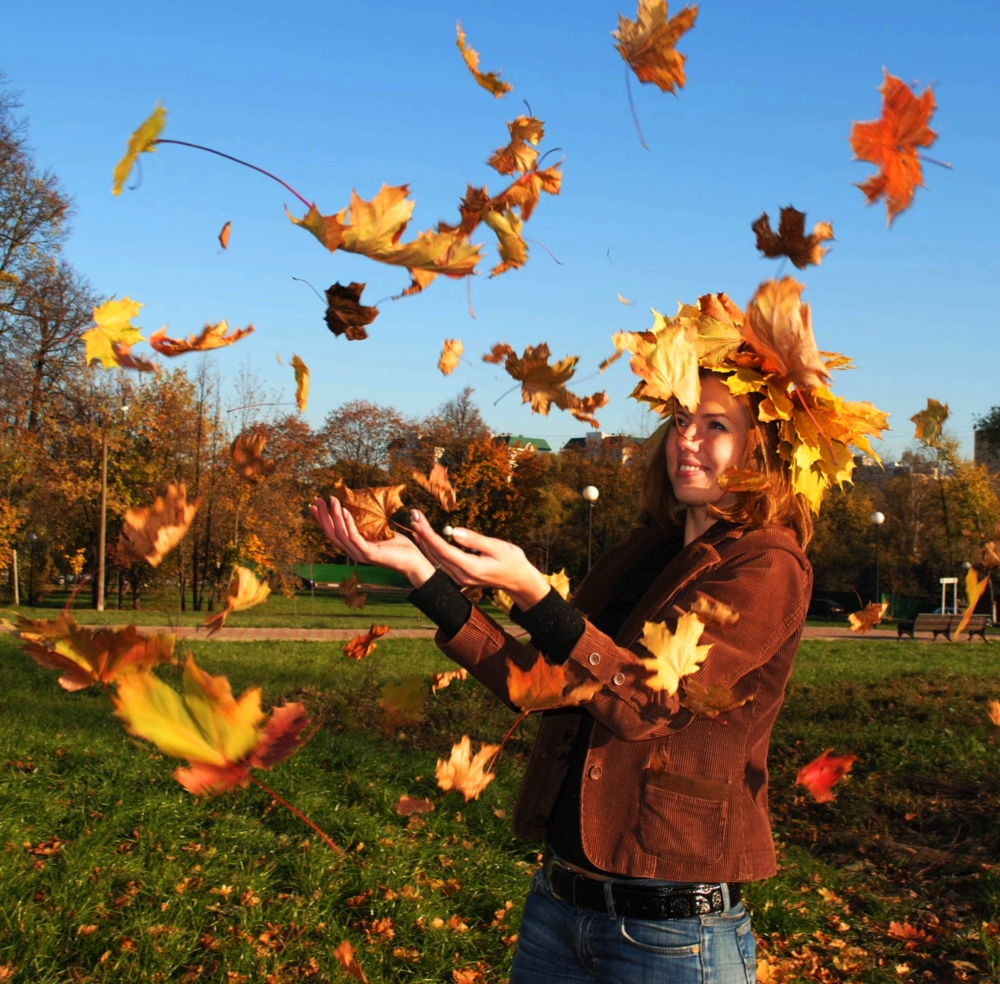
539	443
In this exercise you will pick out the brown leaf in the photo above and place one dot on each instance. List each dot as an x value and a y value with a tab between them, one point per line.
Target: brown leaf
647	43
930	422
520	154
791	240
371	508
490	81
451	352
709	701
364	645
464	772
345	314
123	355
545	686
353	598
868	617
211	337
438	485
407	806
151	532
224	236
247	454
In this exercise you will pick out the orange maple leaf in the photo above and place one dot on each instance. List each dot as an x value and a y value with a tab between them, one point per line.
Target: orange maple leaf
525	192
345	314
868	617
520	154
438	485
353	597
791	240
891	142
151	532
407	806
820	774
441	680
511	246
224	235
710	701
211	337
244	592
371	508
345	957
364	645
403	703
490	81
301	383
464	772
647	43
712	612
993	712
247	454
451	352
545	686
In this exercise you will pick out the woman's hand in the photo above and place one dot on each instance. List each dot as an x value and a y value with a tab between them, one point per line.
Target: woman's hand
495	563
398	554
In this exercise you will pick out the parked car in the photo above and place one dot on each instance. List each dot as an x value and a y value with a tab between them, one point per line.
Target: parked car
825	608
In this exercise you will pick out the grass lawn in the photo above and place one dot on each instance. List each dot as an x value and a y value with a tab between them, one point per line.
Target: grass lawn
111	872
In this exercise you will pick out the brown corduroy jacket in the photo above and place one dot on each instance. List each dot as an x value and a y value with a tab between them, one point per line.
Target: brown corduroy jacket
666	794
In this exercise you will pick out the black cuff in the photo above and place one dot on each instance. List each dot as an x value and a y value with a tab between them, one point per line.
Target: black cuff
440	599
554	625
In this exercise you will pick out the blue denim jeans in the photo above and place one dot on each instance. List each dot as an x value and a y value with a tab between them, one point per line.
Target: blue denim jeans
559	943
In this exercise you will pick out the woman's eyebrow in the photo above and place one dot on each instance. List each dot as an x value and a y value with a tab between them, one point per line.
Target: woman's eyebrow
715	414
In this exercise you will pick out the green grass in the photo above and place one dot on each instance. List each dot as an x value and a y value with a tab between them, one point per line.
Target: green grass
169	888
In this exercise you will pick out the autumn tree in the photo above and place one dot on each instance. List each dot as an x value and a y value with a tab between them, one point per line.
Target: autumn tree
356	438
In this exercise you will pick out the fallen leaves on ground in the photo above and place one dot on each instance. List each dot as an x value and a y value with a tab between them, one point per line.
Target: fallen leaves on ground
868	617
711	701
345	314
211	337
224	235
407	806
371	508
142	141
545	686
150	532
441	680
891	143
364	645
353	597
112	326
247	454
675	654
345	957
403	703
451	353
244	592
822	773
743	480
791	240
301	383
930	422
438	485
490	81
712	612
465	772
648	43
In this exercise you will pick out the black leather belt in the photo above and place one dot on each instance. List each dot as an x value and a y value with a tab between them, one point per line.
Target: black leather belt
641	902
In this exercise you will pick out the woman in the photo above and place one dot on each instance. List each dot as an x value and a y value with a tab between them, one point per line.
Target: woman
652	814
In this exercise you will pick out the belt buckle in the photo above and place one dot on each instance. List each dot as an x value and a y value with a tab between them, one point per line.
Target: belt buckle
553	863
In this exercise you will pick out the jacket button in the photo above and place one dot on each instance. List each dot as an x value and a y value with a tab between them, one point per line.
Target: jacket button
618	679
594	659
596	772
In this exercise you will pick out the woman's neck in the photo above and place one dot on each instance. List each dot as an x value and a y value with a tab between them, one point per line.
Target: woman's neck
696	521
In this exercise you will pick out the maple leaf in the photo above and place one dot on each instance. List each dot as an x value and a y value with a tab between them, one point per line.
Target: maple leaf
438	485
712	612
371	508
930	422
490	81
994	712
301	383
211	337
364	645
908	934
991	554
505	603
353	598
743	480
345	314
791	240
345	957
891	143
820	774
407	806
524	193
403	703
511	246
719	324
711	701
142	141
868	617
647	43
219	735
150	532
974	589
441	680
779	328
247	452
520	154
244	592
675	654
88	656
464	772
224	235
112	326
451	352
545	686
126	360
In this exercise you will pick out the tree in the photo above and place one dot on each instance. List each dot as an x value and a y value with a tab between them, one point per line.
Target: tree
356	438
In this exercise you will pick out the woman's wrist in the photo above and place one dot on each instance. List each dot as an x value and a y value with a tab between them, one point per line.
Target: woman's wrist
534	588
421	572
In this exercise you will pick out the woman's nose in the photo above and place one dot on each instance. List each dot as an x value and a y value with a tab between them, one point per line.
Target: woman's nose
687	436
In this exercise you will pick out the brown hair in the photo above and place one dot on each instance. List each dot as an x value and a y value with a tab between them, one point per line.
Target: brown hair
777	505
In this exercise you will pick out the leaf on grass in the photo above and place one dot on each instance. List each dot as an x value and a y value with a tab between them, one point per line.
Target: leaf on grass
675	654
545	686
345	314
891	143
820	774
994	712
211	337
224	235
345	957
520	154
142	141
438	485
464	772
247	454
908	934
743	480
244	592
974	589
403	703
407	806
930	422
791	240
868	617
354	598
220	736
490	81
149	533
451	352
713	612
711	701
371	508
88	656
364	645
112	326
301	383
441	680
648	43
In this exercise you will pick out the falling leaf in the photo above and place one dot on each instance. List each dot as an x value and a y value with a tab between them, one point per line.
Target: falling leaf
474	592
438	485
451	352
371	508
345	314
244	592
974	589
868	617
112	326
510	244
647	43
407	806
126	360
441	680
345	956
891	143
711	701
465	772
675	654
994	712
403	703
559	581
150	532
791	240
142	141
743	480
211	337
520	154
87	656
353	597
525	192
224	236
364	645
490	81
713	612
301	383
545	686
820	774
930	422
625	301
505	603
247	454
220	736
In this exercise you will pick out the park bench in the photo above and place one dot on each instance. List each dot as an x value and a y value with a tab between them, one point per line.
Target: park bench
941	625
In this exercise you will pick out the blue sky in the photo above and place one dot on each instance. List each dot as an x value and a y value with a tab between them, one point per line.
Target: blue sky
332	96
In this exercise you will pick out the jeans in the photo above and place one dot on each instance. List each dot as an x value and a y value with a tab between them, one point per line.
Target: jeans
559	943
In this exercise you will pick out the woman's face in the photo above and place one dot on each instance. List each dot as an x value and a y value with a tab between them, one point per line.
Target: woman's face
704	443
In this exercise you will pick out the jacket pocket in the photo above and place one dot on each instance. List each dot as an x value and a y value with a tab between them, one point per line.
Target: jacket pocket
684	818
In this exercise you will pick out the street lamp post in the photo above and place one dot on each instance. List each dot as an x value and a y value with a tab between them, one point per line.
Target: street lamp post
877	520
32	537
590	494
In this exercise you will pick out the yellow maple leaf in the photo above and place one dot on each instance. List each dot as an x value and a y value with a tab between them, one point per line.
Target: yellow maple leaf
974	589
490	81
142	141
112	326
464	772
510	244
675	654
301	383
244	592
